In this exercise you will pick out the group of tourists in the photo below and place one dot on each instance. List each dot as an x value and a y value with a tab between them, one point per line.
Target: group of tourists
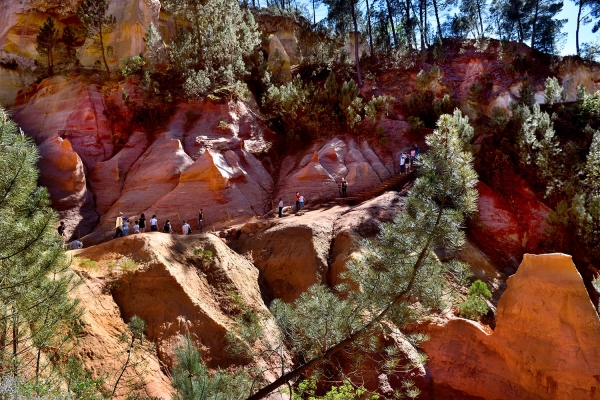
122	225
407	159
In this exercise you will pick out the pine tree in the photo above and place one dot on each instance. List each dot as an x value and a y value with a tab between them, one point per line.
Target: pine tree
47	38
212	52
68	38
92	16
36	313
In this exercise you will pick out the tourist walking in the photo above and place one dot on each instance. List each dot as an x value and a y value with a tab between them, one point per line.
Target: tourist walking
154	224
167	227
125	226
280	207
413	155
301	202
297	200
136	227
61	232
344	186
142	222
200	219
402	163
119	226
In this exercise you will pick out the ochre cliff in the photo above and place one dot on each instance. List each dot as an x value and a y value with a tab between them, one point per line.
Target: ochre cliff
173	289
545	344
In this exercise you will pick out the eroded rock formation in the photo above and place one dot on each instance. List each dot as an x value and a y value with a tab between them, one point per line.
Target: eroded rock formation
176	290
545	345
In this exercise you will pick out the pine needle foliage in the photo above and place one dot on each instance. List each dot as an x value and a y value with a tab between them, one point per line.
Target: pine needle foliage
192	380
475	306
211	52
36	314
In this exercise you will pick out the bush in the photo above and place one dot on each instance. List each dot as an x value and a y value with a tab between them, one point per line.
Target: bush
307	112
427	107
475	306
86	263
129	265
133	65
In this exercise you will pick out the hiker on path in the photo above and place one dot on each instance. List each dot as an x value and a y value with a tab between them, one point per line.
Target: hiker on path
153	224
344	186
125	226
301	202
119	226
75	244
402	163
408	163
142	223
280	207
416	150
136	227
297	200
413	155
200	219
167	228
186	229
61	232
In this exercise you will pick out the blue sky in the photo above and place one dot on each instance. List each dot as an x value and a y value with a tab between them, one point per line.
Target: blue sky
569	12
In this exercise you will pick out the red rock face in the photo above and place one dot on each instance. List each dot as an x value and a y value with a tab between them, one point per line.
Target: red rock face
545	345
507	228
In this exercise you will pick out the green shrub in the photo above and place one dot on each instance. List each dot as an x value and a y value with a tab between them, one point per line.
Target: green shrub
129	265
307	112
427	108
86	263
205	256
475	306
133	65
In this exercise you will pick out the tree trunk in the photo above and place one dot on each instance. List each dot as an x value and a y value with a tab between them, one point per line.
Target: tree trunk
577	30
391	15
534	24
369	26
480	19
437	20
314	14
15	343
520	25
356	57
421	24
103	52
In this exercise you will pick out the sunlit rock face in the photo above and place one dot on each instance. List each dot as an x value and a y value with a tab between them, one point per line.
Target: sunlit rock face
174	292
545	345
133	18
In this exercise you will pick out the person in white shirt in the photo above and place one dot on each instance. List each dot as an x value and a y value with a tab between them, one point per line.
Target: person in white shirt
153	224
301	202
136	227
280	208
186	229
402	163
